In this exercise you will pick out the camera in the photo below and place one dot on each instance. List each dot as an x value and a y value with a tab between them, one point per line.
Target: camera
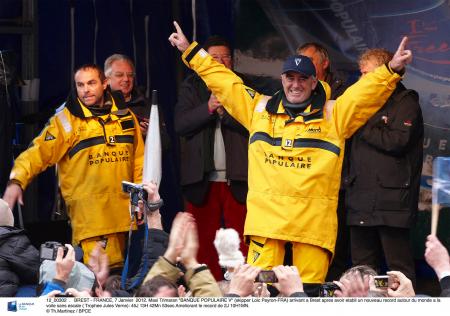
49	250
381	281
266	276
327	289
136	191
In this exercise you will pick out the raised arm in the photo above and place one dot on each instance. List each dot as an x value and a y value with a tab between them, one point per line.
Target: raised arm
237	99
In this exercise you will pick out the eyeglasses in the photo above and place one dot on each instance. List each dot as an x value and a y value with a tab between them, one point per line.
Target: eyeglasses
120	75
221	57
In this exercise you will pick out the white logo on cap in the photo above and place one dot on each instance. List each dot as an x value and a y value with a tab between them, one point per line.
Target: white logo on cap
298	61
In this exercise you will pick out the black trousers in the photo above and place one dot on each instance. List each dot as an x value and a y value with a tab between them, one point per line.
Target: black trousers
368	244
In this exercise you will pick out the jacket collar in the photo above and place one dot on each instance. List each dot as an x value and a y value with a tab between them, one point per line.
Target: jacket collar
78	109
312	112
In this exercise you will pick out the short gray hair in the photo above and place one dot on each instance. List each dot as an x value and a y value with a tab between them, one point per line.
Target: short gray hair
116	57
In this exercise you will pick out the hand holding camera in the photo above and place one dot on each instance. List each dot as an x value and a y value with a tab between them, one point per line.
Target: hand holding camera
146	193
64	264
400	285
289	280
242	282
49	250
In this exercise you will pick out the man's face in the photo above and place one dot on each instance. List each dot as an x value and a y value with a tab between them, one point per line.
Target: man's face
222	55
367	66
319	64
121	77
89	86
297	87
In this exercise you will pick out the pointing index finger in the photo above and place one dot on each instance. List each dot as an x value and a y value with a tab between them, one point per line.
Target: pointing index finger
177	27
402	45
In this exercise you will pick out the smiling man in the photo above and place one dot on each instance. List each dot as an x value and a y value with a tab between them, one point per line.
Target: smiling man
96	143
295	152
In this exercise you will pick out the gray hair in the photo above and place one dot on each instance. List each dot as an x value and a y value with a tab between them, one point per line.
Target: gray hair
323	52
113	58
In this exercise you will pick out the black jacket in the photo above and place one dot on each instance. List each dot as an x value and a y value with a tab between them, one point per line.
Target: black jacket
445	286
19	260
386	164
141	107
196	127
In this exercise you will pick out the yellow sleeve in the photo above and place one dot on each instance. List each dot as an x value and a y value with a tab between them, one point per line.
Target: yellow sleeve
363	99
44	151
238	99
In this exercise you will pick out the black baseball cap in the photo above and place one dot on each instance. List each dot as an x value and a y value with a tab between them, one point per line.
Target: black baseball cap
301	64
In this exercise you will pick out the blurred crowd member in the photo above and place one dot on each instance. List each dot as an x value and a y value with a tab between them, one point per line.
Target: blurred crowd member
65	273
19	259
183	245
243	284
359	281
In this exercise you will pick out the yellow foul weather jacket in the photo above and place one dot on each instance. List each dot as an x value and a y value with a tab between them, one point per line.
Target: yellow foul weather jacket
294	164
93	155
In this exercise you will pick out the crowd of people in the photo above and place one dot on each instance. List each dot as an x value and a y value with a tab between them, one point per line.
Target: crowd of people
266	168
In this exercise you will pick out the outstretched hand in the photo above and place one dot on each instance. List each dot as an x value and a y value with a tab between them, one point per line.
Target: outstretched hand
402	56
178	38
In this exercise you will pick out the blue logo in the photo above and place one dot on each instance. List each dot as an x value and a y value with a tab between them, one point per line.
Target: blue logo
12	306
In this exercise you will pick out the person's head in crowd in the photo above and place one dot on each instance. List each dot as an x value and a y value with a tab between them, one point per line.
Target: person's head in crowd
298	79
90	84
112	283
319	57
219	49
355	282
372	59
120	73
158	286
6	215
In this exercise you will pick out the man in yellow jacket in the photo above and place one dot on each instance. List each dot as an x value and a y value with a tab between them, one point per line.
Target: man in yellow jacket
295	151
96	143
